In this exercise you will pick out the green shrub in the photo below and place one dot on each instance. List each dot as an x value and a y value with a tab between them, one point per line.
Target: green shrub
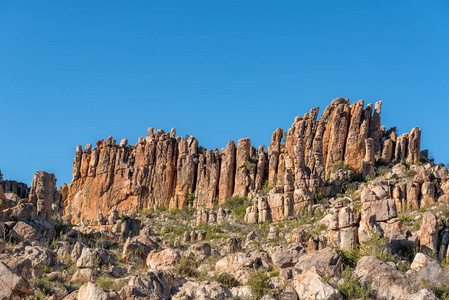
104	281
381	162
319	198
190	199
376	246
274	274
108	283
259	284
266	188
349	258
202	150
249	165
227	280
187	267
124	218
340	165
351	288
238	205
411	174
442	292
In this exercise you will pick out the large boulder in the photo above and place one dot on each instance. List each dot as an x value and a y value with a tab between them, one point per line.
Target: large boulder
429	270
326	261
163	260
202	290
151	285
234	262
389	283
287	256
130	228
308	285
429	234
12	285
200	250
94	292
23	211
18	264
40	257
94	258
140	245
23	232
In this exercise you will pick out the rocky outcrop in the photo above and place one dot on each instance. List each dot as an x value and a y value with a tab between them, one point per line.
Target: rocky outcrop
11	186
173	172
44	195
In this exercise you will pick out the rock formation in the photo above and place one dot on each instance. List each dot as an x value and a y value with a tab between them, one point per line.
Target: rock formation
12	186
162	170
44	196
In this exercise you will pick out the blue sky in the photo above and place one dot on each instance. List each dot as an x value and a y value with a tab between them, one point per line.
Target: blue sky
73	72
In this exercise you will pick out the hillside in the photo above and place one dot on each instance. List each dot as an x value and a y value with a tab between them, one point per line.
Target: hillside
336	207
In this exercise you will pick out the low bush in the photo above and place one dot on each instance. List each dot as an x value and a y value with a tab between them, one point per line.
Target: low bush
238	205
351	288
227	280
259	284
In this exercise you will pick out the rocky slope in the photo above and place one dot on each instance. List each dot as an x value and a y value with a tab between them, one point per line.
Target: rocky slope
339	209
162	170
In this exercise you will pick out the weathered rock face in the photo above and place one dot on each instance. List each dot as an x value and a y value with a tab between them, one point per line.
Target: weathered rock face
12	186
44	196
164	170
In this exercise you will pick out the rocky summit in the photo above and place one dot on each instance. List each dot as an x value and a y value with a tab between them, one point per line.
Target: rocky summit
336	207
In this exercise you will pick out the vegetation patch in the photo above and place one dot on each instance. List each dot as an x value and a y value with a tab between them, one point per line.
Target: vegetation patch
238	205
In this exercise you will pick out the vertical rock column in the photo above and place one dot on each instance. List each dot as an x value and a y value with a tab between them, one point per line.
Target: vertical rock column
358	132
227	173
76	166
242	178
273	156
43	194
400	153
374	131
186	171
207	179
414	146
260	171
337	135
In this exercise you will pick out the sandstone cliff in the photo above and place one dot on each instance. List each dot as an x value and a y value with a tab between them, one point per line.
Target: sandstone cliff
163	170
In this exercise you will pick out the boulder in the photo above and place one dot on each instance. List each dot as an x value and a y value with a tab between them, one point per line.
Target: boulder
202	290
12	285
23	211
429	234
149	285
23	232
200	250
308	285
429	270
18	264
234	262
389	283
165	259
40	257
130	228
234	245
326	261
287	256
95	292
140	245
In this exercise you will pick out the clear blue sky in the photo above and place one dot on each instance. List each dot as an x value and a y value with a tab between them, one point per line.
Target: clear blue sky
73	72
